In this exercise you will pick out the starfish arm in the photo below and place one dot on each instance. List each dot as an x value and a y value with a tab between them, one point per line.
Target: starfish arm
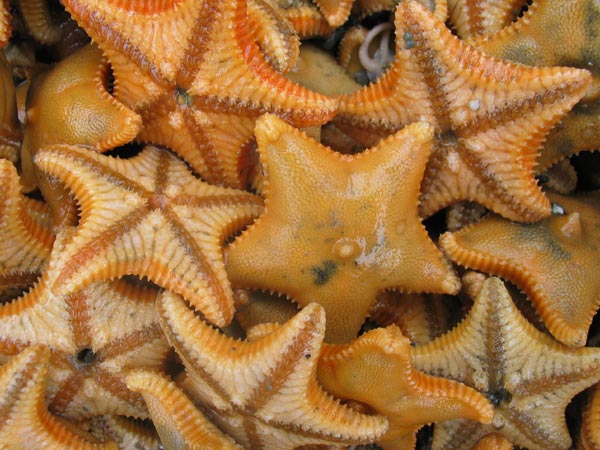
557	244
39	21
27	423
178	422
10	132
272	379
5	23
481	17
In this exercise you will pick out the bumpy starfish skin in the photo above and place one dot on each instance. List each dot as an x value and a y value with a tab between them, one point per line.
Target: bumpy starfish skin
201	96
149	216
589	436
336	12
127	433
339	228
24	421
39	21
376	369
529	377
179	423
70	105
552	33
471	18
491	116
307	20
561	177
554	261
264	392
25	244
366	7
95	335
10	132
494	441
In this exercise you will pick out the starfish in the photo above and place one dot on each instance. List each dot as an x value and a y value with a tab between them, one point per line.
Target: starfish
179	423
149	216
126	432
202	96
25	422
490	116
493	441
376	369
10	131
589	435
336	12
528	376
25	244
365	8
552	33
561	177
70	104
471	18
553	261
95	336
39	22
306	19
339	228
264	393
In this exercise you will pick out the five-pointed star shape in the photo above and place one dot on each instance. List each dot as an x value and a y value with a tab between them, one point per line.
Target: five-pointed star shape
490	116
195	74
149	216
264	392
95	335
527	375
554	261
25	423
376	369
178	422
339	228
25	244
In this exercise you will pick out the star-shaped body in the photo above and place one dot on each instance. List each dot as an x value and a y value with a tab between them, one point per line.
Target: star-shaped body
95	336
555	261
339	228
264	392
149	216
195	74
376	369
25	423
528	376
490	116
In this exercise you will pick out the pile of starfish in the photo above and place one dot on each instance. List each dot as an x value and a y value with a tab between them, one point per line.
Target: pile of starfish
281	224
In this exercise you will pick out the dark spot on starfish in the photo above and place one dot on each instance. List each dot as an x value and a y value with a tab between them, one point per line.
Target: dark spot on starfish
307	355
498	396
182	97
85	357
408	40
322	273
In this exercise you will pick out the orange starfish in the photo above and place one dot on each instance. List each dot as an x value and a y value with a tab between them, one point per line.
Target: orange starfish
376	369
528	376
493	441
25	244
70	104
10	131
264	393
306	19
149	216
93	340
200	97
554	261
339	228
5	23
589	436
178	421
491	117
24	421
336	12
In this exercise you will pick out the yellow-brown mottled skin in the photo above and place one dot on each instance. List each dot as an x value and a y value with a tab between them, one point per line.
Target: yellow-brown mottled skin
339	228
95	336
149	216
498	352
201	96
264	392
25	422
553	261
376	369
490	117
178	422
